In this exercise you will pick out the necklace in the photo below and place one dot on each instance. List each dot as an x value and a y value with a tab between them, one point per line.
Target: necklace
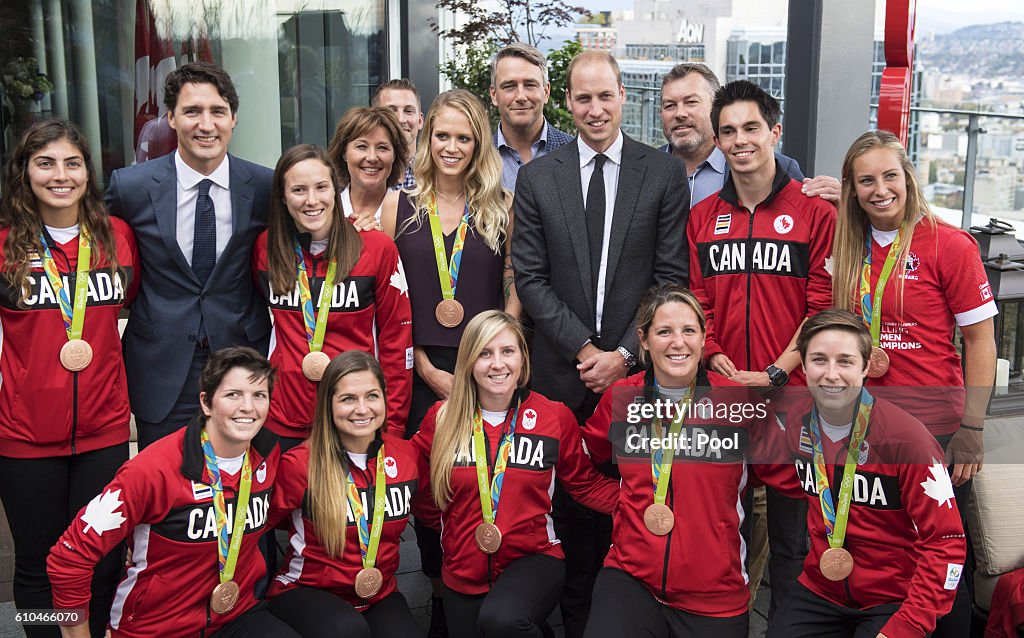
450	200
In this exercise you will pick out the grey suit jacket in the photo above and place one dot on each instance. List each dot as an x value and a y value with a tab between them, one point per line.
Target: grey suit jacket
551	256
160	338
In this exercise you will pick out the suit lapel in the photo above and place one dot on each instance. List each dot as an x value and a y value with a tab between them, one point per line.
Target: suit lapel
163	196
242	193
631	178
570	191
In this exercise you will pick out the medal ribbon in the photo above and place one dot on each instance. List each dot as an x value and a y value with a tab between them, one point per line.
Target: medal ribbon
490	492
871	307
74	317
661	464
227	554
836	517
316	325
369	538
447	271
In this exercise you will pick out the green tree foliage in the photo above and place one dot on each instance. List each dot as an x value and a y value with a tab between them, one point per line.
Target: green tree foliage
486	30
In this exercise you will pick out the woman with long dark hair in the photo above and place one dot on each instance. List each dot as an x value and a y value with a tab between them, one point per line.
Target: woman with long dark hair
330	289
68	269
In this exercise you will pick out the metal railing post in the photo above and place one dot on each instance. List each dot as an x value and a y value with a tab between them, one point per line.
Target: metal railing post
973	130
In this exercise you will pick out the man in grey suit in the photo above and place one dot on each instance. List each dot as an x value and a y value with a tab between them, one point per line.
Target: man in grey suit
196	214
598	221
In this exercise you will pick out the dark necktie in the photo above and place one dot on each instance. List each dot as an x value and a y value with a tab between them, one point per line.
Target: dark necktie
204	242
595	218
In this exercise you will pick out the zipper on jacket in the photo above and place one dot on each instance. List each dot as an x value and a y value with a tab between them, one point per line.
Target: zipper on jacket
74	375
750	264
668	546
74	413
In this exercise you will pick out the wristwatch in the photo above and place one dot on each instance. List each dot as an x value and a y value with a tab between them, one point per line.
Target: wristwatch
627	356
777	376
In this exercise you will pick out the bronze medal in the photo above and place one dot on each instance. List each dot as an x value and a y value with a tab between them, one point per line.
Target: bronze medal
659	519
449	313
368	582
314	364
76	355
878	365
224	597
488	537
836	563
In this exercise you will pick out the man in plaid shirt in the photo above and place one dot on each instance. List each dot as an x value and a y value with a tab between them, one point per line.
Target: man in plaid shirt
402	97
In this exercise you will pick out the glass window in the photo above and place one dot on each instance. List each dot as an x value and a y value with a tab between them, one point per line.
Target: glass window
107	60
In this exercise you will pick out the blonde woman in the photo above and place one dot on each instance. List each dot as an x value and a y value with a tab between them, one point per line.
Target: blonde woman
339	578
458	203
495	449
914	279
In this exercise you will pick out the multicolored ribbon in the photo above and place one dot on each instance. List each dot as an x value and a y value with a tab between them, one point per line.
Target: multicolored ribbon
490	491
871	307
227	553
447	270
369	537
661	464
316	324
836	515
74	316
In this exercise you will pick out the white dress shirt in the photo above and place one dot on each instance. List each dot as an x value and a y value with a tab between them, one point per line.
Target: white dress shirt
188	193
611	185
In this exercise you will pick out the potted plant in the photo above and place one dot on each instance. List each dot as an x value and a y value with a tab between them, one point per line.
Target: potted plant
25	84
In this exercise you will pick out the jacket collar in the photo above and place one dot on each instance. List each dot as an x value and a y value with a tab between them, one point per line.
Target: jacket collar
193	462
703	383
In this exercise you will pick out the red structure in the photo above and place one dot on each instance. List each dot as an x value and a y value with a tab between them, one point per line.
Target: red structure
894	94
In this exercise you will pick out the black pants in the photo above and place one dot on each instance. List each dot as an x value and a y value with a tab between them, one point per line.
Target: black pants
957	622
184	408
258	622
787	546
807	615
316	613
519	602
622	606
41	497
586	537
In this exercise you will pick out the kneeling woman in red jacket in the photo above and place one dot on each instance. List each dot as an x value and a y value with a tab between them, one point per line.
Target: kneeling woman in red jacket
348	491
495	451
676	566
192	506
887	545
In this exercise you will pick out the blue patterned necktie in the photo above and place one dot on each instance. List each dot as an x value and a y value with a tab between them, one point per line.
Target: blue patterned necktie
204	241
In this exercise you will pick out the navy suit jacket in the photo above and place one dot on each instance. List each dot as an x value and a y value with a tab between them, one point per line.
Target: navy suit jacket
160	339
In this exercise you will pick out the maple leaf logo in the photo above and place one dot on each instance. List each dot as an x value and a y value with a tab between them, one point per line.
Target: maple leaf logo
828	265
100	514
939	486
398	280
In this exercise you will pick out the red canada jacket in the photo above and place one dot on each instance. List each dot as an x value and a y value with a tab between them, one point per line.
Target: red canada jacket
904	529
758	275
308	564
699	566
546	445
46	410
369	312
162	503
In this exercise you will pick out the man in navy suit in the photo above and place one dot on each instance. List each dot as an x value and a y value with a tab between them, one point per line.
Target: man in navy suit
196	214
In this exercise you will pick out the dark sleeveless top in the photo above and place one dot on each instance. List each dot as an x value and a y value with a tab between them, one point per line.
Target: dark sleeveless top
478	288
